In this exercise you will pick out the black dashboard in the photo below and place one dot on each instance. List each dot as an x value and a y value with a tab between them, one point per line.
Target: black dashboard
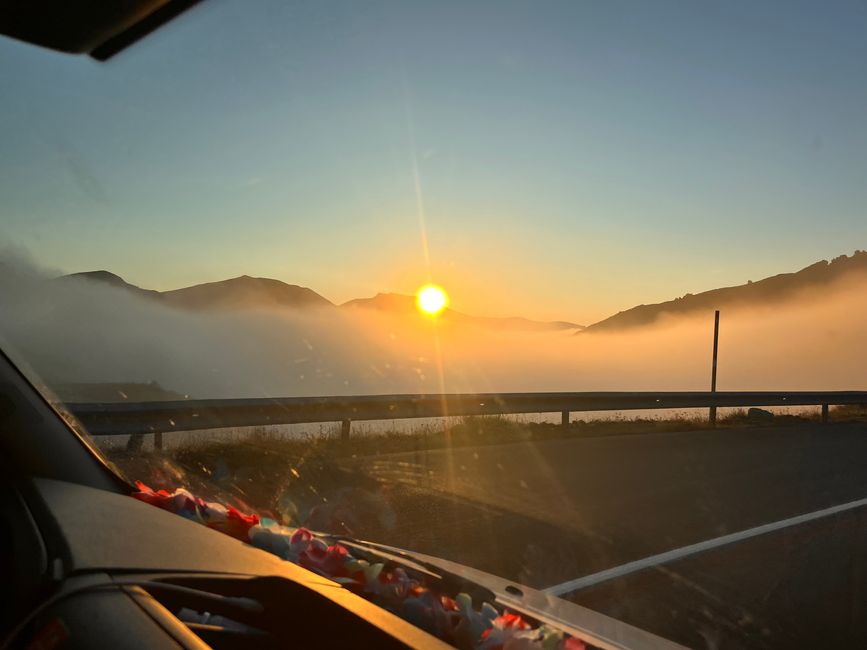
113	572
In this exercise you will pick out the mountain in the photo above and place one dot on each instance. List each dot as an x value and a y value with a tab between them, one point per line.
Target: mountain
402	304
392	302
110	279
753	294
236	293
244	293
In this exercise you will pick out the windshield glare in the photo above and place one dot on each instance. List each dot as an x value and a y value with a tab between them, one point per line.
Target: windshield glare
545	289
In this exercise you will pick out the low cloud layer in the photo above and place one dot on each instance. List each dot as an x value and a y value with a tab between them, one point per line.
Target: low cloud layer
83	332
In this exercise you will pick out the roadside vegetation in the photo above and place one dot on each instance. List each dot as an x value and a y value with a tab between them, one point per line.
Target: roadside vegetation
323	481
260	449
488	430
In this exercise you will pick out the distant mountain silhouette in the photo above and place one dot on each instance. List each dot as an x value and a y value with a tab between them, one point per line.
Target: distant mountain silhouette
763	292
244	293
395	302
399	303
237	293
110	279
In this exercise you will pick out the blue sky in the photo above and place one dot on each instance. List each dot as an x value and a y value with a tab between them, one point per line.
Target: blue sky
573	158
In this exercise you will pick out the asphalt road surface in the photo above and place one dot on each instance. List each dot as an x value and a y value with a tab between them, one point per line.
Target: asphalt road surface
547	512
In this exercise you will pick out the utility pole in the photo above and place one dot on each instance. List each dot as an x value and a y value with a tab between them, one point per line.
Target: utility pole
712	415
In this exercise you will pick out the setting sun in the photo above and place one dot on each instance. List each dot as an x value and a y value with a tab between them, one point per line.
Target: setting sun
431	299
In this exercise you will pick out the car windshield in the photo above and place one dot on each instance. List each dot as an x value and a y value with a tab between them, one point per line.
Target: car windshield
567	292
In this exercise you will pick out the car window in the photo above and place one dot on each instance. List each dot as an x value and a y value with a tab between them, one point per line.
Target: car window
546	289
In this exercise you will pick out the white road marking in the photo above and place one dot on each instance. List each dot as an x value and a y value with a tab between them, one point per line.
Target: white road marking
676	554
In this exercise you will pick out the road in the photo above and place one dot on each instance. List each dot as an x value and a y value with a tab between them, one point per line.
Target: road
550	511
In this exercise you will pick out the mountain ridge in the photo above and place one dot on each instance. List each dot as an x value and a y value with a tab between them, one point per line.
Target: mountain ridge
246	292
770	290
241	292
396	302
109	279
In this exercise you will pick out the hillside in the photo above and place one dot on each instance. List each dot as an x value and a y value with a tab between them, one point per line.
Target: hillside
236	293
753	294
245	293
402	304
109	279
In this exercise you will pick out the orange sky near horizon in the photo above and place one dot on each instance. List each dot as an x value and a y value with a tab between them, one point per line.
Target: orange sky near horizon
566	161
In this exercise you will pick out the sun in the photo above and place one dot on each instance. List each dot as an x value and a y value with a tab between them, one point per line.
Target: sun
431	299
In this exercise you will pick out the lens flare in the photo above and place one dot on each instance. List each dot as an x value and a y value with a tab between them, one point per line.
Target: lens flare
431	299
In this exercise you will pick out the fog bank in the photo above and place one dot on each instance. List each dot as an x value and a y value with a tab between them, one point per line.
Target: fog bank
83	332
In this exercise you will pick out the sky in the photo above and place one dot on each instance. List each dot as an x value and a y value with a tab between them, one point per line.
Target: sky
547	159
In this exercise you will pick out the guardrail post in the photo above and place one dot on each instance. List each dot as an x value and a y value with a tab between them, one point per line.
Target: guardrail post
345	425
564	418
824	414
135	442
158	440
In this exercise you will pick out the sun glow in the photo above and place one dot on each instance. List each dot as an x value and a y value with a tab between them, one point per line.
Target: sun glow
431	299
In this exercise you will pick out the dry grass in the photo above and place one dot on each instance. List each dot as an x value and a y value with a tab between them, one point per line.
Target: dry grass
297	478
256	445
467	431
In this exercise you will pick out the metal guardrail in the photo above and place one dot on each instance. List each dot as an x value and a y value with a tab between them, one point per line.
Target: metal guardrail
125	418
